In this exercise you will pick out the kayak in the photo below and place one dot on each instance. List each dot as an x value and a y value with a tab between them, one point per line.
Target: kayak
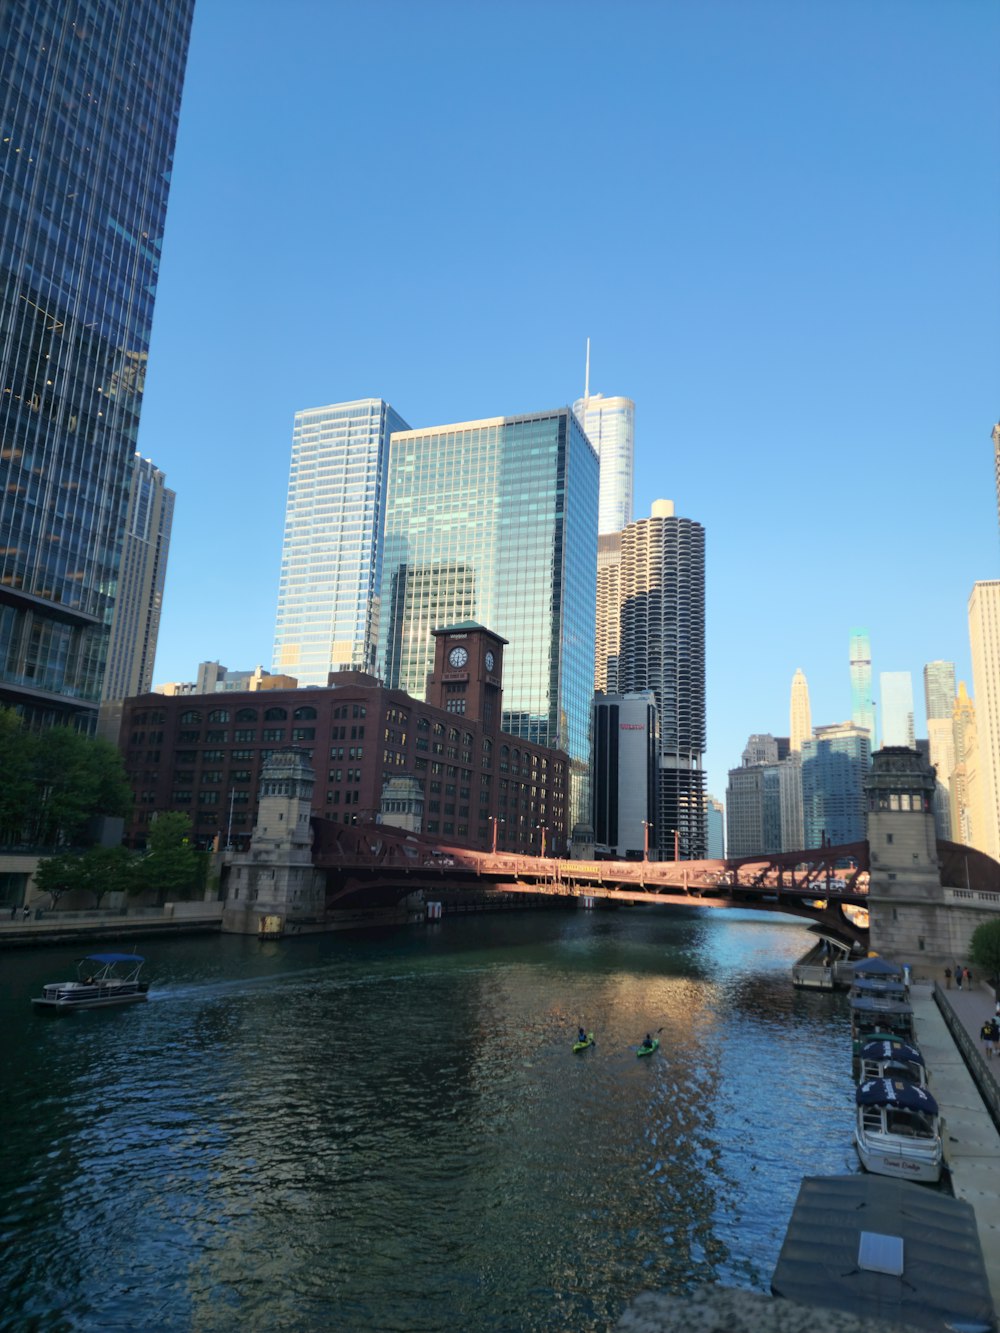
582	1045
648	1050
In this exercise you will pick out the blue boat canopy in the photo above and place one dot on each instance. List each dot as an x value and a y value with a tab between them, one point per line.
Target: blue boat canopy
891	1050
877	967
113	958
879	986
889	1092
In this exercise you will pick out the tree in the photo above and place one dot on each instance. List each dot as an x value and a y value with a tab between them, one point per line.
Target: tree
171	865
984	950
107	870
58	875
75	778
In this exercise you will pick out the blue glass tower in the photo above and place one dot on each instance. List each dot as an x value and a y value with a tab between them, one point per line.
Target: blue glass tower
495	521
835	762
90	96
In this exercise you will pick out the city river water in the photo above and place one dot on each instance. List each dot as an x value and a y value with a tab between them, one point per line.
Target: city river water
389	1131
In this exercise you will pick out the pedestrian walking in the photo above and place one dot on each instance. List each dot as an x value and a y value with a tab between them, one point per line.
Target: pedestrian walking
947	983
968	979
25	912
994	1037
986	1037
958	976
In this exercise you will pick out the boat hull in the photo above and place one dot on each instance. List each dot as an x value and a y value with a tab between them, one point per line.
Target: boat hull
649	1050
68	998
882	1157
579	1046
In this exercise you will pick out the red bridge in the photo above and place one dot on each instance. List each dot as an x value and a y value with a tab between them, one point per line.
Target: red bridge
372	865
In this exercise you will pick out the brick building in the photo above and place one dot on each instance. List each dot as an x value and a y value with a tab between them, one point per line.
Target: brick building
203	754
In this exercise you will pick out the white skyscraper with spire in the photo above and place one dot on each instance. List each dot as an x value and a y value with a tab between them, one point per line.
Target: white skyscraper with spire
610	427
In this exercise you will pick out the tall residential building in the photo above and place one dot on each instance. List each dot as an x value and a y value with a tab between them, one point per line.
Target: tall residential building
496	521
607	632
799	712
835	762
790	797
135	625
984	641
862	704
663	649
764	799
610	427
91	96
896	690
331	557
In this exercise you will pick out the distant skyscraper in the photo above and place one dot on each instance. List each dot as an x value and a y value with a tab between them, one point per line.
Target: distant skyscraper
496	521
862	705
896	689
624	773
610	427
90	97
984	640
716	812
939	697
135	625
965	796
835	762
662	649
939	689
996	461
331	558
800	715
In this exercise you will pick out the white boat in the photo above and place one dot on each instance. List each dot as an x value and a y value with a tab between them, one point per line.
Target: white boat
103	979
898	1130
893	1059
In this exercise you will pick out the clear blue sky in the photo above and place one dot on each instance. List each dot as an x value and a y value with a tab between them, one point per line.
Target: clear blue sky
776	220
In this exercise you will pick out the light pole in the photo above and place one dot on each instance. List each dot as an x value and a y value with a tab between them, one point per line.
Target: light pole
677	844
645	839
494	819
543	828
229	830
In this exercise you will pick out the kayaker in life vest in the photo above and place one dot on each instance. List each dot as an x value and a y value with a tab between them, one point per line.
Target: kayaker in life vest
648	1040
582	1035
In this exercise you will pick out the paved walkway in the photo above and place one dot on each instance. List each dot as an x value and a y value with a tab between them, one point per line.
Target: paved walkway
972	1143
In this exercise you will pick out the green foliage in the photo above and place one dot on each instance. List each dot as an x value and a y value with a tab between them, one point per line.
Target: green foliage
171	866
55	782
98	870
984	950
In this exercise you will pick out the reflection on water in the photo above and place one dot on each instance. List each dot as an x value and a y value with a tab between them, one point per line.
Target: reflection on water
389	1130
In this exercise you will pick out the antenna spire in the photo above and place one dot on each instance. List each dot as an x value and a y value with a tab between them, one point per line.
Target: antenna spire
586	382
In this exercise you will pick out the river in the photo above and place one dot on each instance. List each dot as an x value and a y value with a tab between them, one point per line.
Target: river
388	1130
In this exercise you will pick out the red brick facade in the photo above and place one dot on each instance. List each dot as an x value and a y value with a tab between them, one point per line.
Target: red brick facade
202	754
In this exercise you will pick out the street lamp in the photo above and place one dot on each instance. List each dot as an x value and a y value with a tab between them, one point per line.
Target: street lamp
677	844
229	830
646	826
493	820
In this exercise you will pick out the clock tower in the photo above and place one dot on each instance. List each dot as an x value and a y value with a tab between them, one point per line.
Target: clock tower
468	672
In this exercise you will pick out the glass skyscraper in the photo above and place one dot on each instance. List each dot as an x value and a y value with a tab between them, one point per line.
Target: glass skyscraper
331	558
862	704
610	427
495	521
90	96
835	762
896	689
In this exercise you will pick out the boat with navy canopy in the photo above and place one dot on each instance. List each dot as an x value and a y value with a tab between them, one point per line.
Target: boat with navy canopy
885	1058
898	1130
103	980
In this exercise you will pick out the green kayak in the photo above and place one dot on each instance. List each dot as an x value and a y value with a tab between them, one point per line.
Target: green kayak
582	1045
648	1050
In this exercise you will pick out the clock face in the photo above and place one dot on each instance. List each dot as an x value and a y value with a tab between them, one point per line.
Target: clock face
458	657
490	660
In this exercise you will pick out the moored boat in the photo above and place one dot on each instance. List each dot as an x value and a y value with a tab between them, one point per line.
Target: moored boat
874	1016
886	1057
898	1130
103	980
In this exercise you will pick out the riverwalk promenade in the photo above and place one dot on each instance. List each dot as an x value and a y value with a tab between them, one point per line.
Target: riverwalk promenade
108	927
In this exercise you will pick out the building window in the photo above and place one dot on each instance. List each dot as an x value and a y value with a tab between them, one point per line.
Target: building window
246	715
219	715
275	714
244	734
455	705
303	733
192	715
273	733
304	714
